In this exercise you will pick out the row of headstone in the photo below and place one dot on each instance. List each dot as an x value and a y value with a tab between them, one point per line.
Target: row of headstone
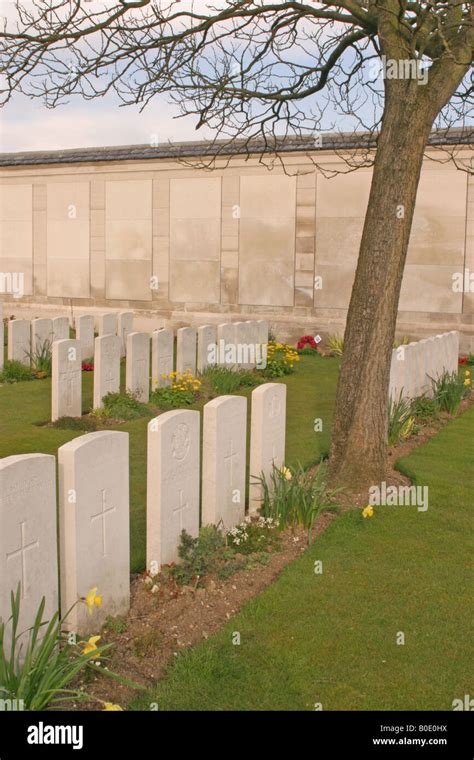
173	473
93	496
93	513
140	366
27	337
415	365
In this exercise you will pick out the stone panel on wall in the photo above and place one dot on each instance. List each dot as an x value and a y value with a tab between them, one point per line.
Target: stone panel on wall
68	234
267	240
16	235
195	239
128	239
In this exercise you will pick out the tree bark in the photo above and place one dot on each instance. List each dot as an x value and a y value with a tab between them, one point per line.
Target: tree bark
359	437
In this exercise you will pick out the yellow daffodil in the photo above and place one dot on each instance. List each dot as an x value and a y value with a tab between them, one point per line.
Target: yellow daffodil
467	381
109	706
368	511
91	646
286	472
93	598
467	373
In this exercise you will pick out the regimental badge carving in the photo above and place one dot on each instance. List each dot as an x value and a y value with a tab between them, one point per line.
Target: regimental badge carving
180	442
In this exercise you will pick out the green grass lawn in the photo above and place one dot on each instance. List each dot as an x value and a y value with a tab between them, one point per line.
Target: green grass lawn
311	392
332	638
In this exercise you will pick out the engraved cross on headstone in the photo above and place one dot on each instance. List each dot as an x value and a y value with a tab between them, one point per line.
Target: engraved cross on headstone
69	377
229	458
275	406
21	552
182	506
102	516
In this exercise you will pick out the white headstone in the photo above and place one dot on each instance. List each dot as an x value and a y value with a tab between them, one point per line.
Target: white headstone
186	350
60	328
19	335
28	526
223	452
106	324
452	351
207	339
66	380
262	330
2	337
267	437
409	365
85	333
41	334
245	348
138	366
94	526
125	327
420	381
106	367
172	484
226	342
397	373
161	358
431	368
253	337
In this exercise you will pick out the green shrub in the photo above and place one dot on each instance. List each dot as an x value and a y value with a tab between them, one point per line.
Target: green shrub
449	390
424	409
297	497
335	344
198	555
41	359
14	372
122	406
171	398
224	380
89	424
401	421
245	546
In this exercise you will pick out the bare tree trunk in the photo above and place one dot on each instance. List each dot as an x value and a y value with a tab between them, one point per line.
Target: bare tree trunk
359	438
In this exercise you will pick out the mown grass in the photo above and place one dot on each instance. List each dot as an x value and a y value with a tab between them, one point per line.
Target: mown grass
331	639
26	406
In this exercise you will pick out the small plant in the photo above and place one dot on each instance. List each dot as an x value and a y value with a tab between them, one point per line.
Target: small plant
198	555
449	389
224	380
39	671
15	372
116	624
335	344
401	421
41	359
122	406
254	536
297	497
148	644
245	546
281	359
424	409
403	341
182	391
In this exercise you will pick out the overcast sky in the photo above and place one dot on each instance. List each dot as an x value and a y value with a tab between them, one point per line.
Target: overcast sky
27	125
